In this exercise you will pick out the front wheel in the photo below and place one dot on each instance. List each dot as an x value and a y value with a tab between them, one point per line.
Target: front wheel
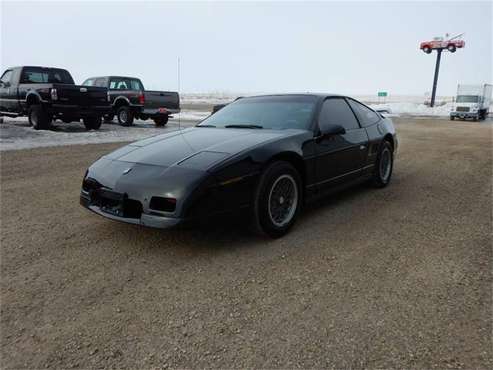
125	116
384	166
161	121
451	48
427	49
278	199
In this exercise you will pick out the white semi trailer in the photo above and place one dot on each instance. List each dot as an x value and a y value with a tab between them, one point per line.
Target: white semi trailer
472	101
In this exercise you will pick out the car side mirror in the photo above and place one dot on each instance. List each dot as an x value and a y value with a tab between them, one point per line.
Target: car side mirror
332	129
4	84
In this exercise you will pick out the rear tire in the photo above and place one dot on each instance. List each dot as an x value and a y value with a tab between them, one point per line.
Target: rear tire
384	166
427	49
161	121
93	123
451	48
278	199
38	118
452	118
125	116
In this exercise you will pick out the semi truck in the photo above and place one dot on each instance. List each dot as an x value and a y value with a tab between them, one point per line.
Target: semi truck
472	101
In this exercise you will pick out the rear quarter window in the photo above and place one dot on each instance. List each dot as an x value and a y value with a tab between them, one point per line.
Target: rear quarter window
366	116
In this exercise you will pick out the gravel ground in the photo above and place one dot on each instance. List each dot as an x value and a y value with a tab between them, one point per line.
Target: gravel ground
394	278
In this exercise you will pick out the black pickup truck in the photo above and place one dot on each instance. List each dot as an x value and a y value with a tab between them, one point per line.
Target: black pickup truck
45	94
130	100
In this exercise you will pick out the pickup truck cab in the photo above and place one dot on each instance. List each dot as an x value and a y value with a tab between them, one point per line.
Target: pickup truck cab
44	94
130	100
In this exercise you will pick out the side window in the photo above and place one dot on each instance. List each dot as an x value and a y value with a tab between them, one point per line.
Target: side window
6	77
336	111
366	116
100	82
118	84
89	82
33	76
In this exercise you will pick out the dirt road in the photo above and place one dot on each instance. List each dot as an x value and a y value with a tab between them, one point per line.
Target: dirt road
398	277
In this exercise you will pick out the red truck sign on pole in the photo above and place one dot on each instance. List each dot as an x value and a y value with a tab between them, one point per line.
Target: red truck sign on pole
440	44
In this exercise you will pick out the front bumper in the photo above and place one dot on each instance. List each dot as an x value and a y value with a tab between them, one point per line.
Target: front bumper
158	222
78	110
464	114
158	112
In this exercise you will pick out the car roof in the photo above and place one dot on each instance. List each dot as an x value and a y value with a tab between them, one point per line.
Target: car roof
317	95
44	67
134	78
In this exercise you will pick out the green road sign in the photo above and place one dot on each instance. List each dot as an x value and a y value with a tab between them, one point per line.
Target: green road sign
382	93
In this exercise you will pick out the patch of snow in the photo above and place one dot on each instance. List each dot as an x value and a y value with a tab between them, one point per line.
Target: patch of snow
414	109
15	133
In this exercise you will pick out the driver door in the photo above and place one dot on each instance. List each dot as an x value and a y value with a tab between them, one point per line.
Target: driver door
340	158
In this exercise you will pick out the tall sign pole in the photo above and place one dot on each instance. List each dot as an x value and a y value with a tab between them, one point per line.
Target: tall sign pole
439	44
435	79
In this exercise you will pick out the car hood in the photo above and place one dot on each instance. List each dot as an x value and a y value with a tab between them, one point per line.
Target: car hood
195	147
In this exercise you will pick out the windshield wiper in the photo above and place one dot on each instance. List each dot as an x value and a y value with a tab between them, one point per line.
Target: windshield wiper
205	126
243	126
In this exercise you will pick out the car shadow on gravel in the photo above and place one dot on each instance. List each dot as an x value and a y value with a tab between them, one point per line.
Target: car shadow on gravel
221	234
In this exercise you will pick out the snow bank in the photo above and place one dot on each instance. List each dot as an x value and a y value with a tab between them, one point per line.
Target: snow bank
15	133
414	109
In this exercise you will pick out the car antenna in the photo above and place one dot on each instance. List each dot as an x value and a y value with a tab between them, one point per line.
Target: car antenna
179	93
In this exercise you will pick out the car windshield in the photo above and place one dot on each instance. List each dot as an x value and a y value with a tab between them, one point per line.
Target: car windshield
268	112
467	99
46	75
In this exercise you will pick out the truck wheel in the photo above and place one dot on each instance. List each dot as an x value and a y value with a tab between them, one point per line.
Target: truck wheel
161	121
108	118
451	48
92	123
38	118
452	118
427	49
125	116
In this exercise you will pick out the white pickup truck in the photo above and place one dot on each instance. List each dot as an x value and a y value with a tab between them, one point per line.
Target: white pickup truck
472	101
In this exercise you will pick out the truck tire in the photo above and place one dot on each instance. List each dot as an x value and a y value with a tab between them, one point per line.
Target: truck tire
452	118
161	121
38	118
451	48
93	123
125	116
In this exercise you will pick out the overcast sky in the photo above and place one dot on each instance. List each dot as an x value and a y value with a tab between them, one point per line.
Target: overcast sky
350	47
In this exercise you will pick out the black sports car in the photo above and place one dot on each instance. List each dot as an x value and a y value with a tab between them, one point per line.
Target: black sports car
269	154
